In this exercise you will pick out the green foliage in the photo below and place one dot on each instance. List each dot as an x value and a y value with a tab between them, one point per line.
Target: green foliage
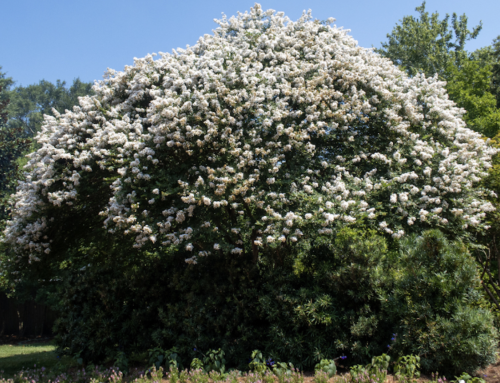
21	116
466	378
214	361
172	358
173	375
368	374
380	362
379	367
30	103
233	375
183	376
357	371
435	290
283	371
407	368
217	376
156	375
355	290
13	144
272	308
427	44
257	364
435	378
121	361
327	366
432	46
320	377
196	364
344	292
495	79
157	356
469	86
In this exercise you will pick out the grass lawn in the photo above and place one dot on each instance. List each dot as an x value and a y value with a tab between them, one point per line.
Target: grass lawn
14	357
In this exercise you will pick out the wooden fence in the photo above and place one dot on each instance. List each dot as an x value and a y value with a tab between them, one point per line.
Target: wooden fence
25	319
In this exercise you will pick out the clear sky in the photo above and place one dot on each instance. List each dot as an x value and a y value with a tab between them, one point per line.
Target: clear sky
65	39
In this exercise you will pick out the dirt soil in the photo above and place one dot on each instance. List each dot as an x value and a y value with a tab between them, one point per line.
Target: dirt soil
492	373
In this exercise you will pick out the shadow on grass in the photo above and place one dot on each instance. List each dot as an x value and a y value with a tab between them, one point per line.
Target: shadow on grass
15	358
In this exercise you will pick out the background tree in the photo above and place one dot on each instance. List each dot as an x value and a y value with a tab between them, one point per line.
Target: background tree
432	46
23	108
470	87
429	45
13	144
495	79
29	103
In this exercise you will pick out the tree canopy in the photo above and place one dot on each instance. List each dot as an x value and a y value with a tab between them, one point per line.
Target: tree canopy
426	45
247	190
429	45
470	87
13	144
269	141
30	103
496	70
435	47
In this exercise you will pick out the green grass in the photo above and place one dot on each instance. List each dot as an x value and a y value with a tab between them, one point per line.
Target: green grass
13	358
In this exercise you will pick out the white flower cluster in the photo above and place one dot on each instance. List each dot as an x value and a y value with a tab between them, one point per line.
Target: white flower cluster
266	133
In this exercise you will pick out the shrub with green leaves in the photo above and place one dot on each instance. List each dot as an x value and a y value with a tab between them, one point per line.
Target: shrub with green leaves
432	306
283	371
379	367
257	362
215	361
331	286
380	362
196	364
241	194
328	366
407	368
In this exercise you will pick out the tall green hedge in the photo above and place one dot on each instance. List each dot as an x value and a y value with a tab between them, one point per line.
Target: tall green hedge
348	297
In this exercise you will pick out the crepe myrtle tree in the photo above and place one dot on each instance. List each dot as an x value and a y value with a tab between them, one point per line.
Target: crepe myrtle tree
261	137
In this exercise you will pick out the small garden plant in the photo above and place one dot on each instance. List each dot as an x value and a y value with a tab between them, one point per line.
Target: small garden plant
213	370
407	368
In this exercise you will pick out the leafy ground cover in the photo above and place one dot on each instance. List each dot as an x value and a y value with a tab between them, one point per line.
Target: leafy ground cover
49	368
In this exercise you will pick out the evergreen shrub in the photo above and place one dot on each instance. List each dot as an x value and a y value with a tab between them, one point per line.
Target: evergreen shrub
435	295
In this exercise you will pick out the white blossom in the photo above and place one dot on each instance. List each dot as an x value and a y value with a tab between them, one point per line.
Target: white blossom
262	123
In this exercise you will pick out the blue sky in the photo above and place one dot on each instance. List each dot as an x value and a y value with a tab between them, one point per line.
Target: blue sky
65	39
